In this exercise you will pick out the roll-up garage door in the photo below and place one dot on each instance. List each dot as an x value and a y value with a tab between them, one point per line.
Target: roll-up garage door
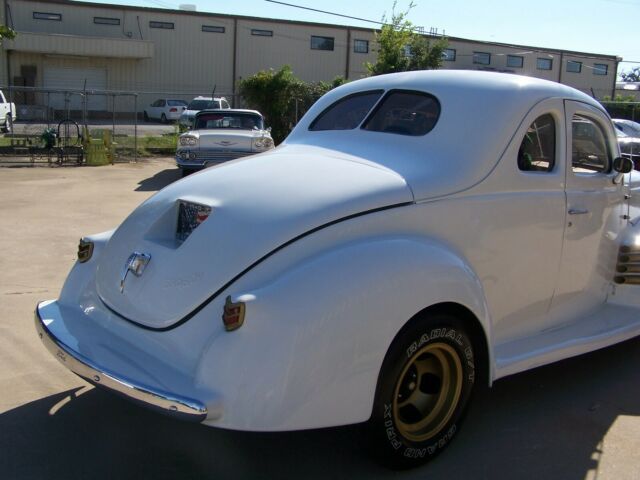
74	79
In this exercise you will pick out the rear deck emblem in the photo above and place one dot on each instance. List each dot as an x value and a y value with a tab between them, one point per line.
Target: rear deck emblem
136	263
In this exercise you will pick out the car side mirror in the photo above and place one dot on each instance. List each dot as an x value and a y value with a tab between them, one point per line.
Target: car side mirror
621	165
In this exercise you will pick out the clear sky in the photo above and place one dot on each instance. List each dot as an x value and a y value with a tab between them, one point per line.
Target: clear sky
610	27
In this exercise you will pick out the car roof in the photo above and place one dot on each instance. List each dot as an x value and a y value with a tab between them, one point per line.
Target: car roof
227	111
479	114
624	121
208	98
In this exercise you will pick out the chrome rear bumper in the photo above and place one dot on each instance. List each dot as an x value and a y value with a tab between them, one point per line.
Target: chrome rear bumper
169	403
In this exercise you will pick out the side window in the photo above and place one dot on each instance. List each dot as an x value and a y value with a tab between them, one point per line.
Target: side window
225	104
589	152
537	152
347	113
405	113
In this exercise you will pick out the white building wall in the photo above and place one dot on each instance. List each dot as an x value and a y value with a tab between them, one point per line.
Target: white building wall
290	44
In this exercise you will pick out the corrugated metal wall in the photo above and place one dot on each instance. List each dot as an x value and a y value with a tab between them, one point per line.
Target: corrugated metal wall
187	59
585	80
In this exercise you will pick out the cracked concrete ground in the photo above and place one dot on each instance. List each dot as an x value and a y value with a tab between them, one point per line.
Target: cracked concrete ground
577	419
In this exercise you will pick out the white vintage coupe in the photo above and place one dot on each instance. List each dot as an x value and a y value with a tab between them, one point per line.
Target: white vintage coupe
222	135
376	267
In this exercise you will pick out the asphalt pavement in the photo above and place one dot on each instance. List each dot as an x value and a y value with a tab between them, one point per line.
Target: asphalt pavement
577	419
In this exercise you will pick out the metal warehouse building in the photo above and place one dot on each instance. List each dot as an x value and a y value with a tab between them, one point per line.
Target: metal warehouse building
76	45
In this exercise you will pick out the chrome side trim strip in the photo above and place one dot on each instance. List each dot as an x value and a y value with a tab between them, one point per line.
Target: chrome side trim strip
169	403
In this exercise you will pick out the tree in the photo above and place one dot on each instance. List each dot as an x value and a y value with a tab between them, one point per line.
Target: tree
632	76
6	32
401	48
282	97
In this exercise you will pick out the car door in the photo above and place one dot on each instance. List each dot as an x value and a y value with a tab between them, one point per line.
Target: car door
595	209
156	109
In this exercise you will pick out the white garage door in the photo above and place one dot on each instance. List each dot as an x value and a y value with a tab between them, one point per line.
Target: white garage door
74	79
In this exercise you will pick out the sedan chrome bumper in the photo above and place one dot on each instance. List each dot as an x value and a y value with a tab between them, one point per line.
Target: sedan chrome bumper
172	404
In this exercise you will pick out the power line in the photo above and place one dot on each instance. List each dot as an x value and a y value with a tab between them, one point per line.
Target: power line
162	4
433	32
326	12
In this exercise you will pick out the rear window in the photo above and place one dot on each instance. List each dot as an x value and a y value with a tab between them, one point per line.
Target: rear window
405	113
176	103
241	121
199	104
347	113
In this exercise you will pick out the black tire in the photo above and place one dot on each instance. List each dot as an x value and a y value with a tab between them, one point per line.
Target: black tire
146	116
8	125
163	118
185	172
424	386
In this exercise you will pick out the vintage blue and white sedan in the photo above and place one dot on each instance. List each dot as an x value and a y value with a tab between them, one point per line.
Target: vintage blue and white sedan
221	135
375	268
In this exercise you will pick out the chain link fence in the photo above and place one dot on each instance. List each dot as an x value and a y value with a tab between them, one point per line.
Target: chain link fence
623	110
60	126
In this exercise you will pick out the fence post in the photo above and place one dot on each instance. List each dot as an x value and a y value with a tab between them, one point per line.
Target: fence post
113	111
135	128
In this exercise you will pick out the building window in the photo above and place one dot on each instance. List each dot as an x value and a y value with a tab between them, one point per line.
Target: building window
573	66
212	29
47	16
261	33
361	46
321	43
449	55
515	61
481	58
600	68
106	21
544	63
164	25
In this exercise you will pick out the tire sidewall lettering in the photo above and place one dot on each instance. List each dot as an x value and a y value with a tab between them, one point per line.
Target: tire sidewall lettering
421	451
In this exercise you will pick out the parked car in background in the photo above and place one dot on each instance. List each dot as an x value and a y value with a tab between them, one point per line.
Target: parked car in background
7	114
201	103
373	268
222	135
629	147
165	110
628	127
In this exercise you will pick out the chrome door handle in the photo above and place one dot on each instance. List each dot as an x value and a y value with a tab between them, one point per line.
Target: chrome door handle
578	211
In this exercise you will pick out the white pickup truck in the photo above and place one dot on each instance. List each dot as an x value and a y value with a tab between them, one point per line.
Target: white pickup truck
7	114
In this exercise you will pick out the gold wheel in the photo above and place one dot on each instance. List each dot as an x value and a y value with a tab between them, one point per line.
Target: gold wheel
427	392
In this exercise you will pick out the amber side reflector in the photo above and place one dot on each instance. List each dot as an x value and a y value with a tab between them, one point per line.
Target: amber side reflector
233	316
85	250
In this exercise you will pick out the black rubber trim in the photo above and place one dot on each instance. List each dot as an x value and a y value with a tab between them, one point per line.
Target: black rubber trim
191	314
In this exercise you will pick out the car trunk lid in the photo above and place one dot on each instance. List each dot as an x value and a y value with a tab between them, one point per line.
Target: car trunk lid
256	205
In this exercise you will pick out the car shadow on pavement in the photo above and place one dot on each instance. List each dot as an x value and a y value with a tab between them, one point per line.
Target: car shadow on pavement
159	180
547	423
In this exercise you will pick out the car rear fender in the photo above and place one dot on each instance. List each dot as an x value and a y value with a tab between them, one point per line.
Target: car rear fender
315	336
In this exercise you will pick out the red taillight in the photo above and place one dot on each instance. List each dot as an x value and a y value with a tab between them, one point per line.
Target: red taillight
174	109
233	315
